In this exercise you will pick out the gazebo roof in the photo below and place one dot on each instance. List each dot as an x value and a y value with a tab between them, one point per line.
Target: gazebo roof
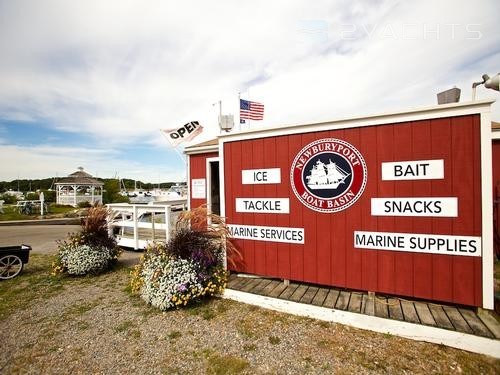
79	178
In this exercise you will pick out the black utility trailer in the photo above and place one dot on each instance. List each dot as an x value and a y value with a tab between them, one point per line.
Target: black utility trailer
12	260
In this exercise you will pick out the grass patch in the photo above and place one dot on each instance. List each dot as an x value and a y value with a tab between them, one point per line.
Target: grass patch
324	324
174	335
274	340
135	333
203	309
33	284
245	328
125	326
128	327
11	212
249	347
60	209
225	364
78	309
82	326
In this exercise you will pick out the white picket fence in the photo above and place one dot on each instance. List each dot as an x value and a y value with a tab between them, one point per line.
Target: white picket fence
134	225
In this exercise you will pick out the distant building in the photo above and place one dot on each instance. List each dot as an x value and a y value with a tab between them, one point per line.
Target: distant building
78	187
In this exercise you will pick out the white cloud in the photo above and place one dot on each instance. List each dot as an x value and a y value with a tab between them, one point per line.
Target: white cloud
120	70
45	161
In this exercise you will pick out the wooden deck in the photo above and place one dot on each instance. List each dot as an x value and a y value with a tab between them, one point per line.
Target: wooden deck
460	319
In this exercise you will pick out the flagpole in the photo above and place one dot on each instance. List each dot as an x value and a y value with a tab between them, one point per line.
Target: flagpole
220	113
239	111
175	147
249	123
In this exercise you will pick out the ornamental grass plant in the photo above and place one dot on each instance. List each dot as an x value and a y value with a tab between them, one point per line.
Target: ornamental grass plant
90	251
190	266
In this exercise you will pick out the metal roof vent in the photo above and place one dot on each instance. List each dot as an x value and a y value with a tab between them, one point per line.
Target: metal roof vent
449	96
226	122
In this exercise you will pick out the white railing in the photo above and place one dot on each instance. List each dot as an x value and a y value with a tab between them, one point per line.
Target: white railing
72	200
134	225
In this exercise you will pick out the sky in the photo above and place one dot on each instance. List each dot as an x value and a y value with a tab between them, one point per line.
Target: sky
91	83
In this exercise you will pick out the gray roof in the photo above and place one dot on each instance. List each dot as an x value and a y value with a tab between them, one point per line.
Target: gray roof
79	178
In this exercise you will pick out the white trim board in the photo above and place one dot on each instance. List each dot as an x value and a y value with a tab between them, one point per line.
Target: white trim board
424	113
193	150
208	177
463	341
487	211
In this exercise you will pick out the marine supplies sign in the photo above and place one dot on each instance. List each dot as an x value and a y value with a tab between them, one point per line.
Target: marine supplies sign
419	243
328	175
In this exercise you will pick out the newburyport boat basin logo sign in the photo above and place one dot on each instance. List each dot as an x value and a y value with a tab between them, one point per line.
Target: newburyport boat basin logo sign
328	175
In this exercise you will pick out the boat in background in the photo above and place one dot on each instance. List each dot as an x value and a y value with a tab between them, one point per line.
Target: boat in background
174	193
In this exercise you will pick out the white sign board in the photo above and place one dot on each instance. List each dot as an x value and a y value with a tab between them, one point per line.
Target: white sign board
198	188
261	176
413	170
419	243
263	205
435	206
269	234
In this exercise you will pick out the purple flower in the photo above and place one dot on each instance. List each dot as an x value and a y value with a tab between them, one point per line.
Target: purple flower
203	259
182	288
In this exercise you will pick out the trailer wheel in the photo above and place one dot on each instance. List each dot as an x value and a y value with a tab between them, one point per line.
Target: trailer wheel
10	266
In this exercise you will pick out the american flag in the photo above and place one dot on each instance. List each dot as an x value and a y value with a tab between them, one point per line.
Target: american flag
251	110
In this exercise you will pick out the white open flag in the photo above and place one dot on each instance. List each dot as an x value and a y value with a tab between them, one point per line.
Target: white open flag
185	133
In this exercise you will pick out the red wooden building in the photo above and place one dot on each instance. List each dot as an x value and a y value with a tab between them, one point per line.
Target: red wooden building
397	203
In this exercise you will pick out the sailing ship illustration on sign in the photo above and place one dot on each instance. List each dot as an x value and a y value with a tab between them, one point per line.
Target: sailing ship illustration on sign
326	176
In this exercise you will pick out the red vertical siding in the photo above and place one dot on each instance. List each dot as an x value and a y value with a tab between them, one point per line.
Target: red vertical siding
353	222
328	256
198	169
369	268
296	212
403	264
386	259
440	283
270	190
282	190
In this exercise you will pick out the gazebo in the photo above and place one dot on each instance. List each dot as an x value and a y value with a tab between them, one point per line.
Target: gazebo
78	187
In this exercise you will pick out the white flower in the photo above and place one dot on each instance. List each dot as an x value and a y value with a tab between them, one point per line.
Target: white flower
163	278
83	259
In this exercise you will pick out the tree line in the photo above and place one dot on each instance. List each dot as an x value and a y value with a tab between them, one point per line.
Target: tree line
111	189
26	185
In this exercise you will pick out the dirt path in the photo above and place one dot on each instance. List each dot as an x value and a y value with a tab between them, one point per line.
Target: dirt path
93	325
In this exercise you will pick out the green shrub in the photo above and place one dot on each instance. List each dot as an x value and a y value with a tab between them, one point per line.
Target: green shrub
8	199
32	197
120	199
91	250
84	204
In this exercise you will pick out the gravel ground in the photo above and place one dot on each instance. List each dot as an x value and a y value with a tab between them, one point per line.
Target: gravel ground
94	325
